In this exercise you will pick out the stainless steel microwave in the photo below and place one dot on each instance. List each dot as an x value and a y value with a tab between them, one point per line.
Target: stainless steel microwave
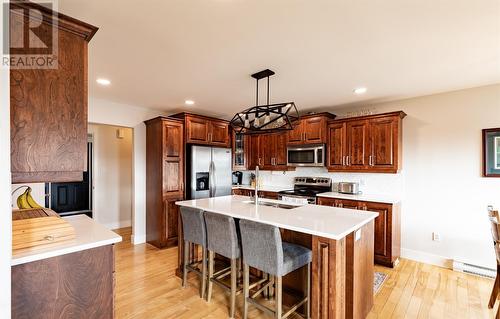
306	155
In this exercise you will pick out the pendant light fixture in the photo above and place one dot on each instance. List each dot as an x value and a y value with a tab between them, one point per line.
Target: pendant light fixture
265	118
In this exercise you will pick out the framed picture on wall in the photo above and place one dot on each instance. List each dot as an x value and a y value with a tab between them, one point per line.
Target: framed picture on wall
491	152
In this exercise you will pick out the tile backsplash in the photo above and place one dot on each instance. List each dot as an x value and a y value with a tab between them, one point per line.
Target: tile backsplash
370	183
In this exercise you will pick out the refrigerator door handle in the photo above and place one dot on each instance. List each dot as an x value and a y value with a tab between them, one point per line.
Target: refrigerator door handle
214	171
211	179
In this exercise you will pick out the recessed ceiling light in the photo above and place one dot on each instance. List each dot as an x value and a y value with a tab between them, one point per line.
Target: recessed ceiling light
189	102
359	90
103	81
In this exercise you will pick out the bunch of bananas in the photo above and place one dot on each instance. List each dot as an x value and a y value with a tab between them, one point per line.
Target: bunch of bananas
26	201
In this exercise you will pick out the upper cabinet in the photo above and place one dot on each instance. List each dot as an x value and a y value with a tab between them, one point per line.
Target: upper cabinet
240	151
311	129
205	130
268	151
368	144
48	106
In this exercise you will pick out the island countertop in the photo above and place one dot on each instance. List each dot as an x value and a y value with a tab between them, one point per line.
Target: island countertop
89	234
325	221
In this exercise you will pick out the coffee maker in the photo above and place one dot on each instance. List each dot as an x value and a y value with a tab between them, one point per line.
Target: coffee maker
237	178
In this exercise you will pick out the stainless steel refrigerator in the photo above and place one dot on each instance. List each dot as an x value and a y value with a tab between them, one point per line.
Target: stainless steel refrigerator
209	172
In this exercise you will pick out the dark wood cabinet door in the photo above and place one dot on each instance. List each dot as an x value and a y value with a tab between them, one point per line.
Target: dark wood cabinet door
382	222
336	145
254	152
219	133
383	133
197	130
171	217
350	204
296	135
173	145
173	154
48	107
357	144
267	149
280	152
314	130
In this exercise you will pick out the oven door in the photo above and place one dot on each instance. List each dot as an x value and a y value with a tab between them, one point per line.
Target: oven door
306	156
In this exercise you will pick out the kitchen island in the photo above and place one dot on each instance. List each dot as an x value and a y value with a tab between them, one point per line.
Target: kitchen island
341	241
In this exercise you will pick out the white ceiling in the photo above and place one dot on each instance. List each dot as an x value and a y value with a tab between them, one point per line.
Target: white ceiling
158	53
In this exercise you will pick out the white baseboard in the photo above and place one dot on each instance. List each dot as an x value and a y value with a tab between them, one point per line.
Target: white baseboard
138	239
427	258
119	224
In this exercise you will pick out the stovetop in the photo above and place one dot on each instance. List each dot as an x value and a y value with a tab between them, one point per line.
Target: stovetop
309	186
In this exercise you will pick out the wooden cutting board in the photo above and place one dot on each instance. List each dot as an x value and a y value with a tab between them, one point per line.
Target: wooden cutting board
38	228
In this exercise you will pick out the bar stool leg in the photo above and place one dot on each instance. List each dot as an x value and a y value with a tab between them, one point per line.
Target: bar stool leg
185	262
203	285
234	277
308	292
279	295
210	274
246	290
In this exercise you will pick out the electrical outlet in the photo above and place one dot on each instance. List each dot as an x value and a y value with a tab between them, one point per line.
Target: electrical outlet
436	236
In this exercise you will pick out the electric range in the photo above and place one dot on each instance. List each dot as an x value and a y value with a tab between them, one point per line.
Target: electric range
305	189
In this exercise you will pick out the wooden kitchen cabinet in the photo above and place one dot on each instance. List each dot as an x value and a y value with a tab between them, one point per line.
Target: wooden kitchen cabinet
269	152
387	245
240	147
48	106
249	192
366	144
311	129
164	179
205	130
75	285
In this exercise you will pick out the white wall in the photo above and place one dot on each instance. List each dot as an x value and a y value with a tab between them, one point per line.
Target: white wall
5	206
441	183
112	175
106	112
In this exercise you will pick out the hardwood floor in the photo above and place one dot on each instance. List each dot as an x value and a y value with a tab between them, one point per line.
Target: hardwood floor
146	287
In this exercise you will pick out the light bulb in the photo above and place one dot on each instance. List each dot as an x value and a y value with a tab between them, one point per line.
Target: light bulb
267	118
280	121
256	123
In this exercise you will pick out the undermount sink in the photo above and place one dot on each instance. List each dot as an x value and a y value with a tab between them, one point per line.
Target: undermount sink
272	204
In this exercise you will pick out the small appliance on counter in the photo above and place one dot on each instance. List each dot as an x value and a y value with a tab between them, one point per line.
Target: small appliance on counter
348	188
237	178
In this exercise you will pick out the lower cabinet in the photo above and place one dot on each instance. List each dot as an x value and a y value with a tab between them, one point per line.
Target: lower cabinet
387	244
249	192
75	285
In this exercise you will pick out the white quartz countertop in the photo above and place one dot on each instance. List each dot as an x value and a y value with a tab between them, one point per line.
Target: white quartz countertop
89	234
362	197
325	221
265	188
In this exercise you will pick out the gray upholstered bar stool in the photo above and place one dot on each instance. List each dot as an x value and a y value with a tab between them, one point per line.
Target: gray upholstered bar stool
194	231
263	249
223	239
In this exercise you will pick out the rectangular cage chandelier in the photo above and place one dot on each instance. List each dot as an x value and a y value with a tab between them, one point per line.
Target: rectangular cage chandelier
266	118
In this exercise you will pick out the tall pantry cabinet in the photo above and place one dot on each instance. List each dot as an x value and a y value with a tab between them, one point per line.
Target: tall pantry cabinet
164	179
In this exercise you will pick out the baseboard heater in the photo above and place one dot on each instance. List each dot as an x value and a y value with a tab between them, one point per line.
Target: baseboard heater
474	269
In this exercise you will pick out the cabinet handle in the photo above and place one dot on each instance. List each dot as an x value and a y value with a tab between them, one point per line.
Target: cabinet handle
347	161
370	160
305	136
343	160
364	208
373	160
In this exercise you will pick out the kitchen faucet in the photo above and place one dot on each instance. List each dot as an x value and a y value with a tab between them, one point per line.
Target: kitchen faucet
256	198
